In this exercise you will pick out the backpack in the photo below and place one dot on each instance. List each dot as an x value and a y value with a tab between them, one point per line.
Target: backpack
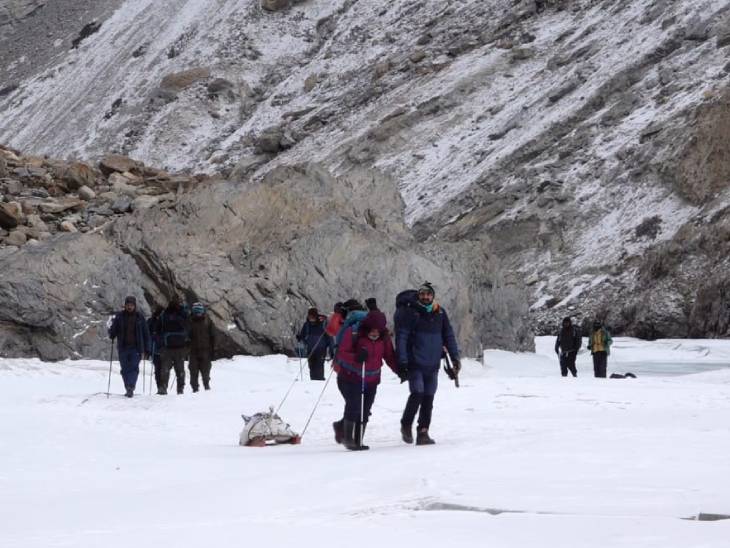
404	302
174	330
353	320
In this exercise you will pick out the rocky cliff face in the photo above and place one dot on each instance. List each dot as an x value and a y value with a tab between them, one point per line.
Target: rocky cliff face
580	143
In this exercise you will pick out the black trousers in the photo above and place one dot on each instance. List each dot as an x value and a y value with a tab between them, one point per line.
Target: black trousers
352	392
316	366
567	363
600	361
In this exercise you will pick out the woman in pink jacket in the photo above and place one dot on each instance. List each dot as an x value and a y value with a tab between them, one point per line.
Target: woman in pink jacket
361	351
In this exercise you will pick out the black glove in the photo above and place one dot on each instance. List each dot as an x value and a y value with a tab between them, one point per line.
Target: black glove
457	366
362	355
403	372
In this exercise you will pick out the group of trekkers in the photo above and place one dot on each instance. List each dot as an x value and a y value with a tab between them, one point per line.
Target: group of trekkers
169	337
570	341
355	336
358	340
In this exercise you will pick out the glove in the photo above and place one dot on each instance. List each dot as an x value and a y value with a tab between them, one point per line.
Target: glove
403	372
146	356
362	355
457	366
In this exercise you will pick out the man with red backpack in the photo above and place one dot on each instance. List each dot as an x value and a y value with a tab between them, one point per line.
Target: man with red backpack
422	331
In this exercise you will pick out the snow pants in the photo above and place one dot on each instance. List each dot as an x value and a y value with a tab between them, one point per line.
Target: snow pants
316	366
129	361
173	358
567	363
199	365
157	363
600	362
423	387
352	392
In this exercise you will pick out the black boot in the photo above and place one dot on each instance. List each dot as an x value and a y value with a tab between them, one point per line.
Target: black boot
352	439
339	428
422	438
130	392
406	432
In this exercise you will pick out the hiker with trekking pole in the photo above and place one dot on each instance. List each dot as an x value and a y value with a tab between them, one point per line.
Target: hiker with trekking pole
316	342
360	355
422	332
129	329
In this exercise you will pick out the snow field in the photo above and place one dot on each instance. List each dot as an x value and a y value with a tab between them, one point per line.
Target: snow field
578	462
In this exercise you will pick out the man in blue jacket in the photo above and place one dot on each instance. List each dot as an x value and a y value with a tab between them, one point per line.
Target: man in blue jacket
129	328
317	341
422	332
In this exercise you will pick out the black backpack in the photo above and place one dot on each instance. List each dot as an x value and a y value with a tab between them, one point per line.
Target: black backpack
403	304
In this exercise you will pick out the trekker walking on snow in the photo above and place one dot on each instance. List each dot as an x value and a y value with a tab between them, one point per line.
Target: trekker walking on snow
175	333
317	342
422	332
567	344
202	346
153	324
599	343
129	328
335	320
361	351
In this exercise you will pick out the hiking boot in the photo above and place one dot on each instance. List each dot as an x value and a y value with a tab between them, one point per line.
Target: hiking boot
162	392
422	438
339	429
195	390
206	385
179	390
129	393
406	434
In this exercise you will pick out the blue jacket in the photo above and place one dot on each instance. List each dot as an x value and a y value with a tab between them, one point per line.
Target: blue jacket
142	332
421	337
353	320
313	335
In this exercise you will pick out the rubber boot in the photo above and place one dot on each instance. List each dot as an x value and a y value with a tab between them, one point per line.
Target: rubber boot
352	437
339	428
422	437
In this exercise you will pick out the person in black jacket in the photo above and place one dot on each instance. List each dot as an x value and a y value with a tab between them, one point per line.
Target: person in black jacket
202	346
154	326
422	331
567	345
175	335
129	328
317	341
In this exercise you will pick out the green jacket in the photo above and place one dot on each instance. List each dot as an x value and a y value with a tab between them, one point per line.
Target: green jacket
607	340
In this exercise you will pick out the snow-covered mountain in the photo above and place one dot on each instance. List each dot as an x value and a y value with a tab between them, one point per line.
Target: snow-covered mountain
583	144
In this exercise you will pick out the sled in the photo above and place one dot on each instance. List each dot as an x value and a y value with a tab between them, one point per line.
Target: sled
267	428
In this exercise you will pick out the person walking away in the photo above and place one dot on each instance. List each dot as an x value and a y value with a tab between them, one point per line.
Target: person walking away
313	335
202	346
153	324
422	331
129	328
362	351
175	333
599	343
567	344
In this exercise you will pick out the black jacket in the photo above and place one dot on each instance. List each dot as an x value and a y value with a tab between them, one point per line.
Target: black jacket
142	333
569	343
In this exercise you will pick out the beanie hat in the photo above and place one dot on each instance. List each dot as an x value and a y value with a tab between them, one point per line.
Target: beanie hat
374	320
371	303
313	312
198	309
130	300
426	287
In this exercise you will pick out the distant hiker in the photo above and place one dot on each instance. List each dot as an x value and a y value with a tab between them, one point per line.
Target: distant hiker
316	341
154	326
130	330
567	344
202	346
363	350
175	333
599	343
422	331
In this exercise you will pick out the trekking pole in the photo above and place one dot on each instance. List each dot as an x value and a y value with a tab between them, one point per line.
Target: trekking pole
144	374
306	425
152	368
109	382
362	403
